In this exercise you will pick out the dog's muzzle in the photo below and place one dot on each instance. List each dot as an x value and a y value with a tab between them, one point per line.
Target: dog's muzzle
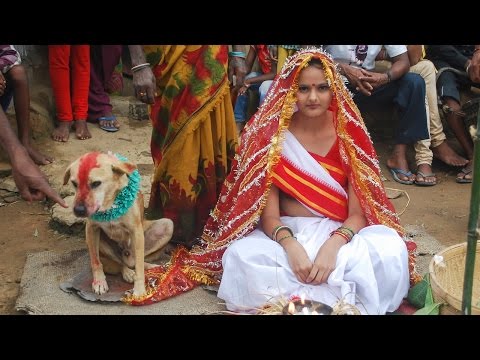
80	210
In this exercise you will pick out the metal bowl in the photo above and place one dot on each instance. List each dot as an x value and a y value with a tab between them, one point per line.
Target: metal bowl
307	307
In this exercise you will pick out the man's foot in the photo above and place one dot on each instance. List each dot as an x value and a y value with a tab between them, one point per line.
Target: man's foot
445	153
465	176
81	130
400	171
62	132
425	176
37	157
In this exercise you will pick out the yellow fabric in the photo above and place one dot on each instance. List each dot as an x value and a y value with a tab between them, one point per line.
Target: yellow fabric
282	55
194	134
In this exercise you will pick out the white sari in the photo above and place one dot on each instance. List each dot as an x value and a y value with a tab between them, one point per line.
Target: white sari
371	271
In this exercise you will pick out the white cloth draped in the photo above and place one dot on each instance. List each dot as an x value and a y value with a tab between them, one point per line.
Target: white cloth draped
371	271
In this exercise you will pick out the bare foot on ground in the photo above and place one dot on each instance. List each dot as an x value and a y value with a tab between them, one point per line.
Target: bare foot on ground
81	130
62	132
445	153
37	157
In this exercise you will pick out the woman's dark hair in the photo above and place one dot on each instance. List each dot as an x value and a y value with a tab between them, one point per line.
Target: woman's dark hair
315	62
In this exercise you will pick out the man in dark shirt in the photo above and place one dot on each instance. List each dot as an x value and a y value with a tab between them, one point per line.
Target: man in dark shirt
464	58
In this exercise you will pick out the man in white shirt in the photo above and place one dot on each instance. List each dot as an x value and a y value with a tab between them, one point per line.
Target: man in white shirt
406	90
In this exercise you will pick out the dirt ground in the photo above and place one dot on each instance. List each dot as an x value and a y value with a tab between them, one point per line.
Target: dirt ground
26	228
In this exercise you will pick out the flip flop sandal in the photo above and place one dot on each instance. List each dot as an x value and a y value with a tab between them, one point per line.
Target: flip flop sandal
395	171
425	183
108	123
464	180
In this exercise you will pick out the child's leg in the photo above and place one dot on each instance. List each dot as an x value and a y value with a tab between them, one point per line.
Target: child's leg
17	79
59	64
80	62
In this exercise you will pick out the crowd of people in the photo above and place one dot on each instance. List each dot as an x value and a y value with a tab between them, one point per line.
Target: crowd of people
294	206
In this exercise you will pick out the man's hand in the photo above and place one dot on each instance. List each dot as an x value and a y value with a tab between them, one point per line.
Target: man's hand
237	67
354	76
31	182
372	80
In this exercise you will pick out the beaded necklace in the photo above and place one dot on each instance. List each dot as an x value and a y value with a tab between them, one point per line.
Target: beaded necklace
124	200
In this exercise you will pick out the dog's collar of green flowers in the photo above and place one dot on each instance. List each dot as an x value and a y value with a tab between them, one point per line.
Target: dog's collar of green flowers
124	200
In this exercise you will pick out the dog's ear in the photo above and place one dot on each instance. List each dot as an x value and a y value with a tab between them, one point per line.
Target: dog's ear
66	177
123	168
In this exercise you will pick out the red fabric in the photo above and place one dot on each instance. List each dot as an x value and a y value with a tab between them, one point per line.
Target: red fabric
309	191
264	59
245	189
70	76
333	164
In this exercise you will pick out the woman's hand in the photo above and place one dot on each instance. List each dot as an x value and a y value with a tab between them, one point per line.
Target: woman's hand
325	261
297	258
144	84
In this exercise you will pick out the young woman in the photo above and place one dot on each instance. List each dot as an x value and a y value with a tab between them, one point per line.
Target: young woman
303	210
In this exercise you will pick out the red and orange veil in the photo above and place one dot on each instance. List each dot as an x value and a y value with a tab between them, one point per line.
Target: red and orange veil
245	189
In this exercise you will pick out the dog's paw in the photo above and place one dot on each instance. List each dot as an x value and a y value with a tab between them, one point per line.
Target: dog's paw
128	274
99	286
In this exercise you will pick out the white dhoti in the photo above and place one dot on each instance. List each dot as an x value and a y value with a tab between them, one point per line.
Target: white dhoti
371	271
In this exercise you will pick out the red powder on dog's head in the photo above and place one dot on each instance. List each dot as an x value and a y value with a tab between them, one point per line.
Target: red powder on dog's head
87	163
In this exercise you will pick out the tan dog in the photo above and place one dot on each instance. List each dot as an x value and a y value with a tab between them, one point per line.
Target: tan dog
118	237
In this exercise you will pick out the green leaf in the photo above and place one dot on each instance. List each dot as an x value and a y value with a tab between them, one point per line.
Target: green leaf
430	309
429	296
418	293
430	306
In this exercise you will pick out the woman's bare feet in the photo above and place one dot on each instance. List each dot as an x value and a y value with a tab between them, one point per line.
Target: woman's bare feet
81	130
37	157
62	132
445	153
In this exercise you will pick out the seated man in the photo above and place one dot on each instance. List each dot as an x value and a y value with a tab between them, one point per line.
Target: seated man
465	58
406	90
436	146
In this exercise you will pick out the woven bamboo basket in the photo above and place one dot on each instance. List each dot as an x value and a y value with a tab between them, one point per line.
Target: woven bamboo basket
447	281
